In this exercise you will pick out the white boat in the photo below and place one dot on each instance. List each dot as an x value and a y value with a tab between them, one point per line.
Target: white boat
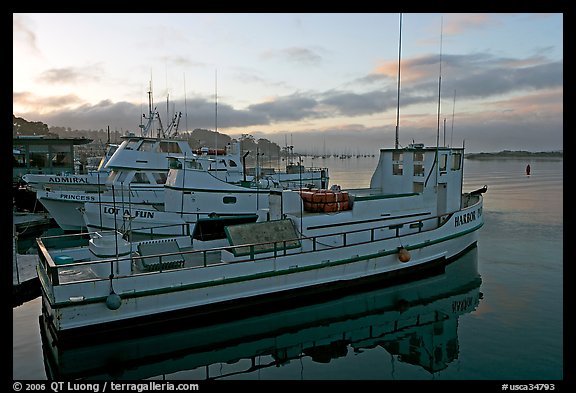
413	218
417	321
192	194
138	170
197	192
93	180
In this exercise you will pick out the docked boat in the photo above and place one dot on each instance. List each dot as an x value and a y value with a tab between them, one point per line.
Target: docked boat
138	170
194	193
413	218
414	322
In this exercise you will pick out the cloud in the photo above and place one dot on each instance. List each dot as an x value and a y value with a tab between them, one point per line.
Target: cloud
183	61
23	34
298	55
43	105
289	108
527	92
71	75
476	75
458	23
353	104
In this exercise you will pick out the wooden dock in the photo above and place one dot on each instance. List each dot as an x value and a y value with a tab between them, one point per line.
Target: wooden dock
25	283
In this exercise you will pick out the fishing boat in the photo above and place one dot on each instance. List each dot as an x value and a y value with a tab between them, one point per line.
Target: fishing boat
200	189
137	171
193	193
413	218
415	322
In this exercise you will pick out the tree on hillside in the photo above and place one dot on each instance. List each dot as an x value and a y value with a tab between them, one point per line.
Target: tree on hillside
25	127
268	148
206	138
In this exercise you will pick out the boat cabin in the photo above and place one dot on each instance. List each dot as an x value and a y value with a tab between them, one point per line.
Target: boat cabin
434	173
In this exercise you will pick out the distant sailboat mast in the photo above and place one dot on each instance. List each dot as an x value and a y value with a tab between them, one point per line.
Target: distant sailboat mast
398	100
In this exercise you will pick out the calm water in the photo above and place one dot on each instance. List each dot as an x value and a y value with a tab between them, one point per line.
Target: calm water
497	314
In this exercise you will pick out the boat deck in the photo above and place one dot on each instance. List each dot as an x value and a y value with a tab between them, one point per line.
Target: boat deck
139	265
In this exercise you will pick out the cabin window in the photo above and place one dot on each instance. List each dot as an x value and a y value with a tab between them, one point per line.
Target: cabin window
229	200
174	163
160	177
61	156
169	147
146	146
418	170
443	161
131	145
140	177
121	177
19	156
193	164
112	176
18	160
232	163
456	161
418	156
418	187
38	156
397	165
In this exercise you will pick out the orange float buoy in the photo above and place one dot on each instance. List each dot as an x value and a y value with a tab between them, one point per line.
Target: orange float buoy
403	255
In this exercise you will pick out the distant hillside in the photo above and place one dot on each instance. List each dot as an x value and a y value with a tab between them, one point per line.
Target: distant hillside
519	154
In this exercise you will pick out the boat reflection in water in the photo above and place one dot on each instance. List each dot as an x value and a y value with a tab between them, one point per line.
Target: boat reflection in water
415	321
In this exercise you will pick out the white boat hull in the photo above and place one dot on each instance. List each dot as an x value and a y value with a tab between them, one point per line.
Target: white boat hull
365	319
80	305
65	206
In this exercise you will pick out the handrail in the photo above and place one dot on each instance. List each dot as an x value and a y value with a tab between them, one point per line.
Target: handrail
275	247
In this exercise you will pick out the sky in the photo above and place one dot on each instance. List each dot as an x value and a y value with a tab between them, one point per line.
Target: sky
322	82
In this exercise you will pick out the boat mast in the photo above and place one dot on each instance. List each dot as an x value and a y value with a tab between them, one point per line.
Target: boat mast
435	164
398	98
439	88
453	109
185	105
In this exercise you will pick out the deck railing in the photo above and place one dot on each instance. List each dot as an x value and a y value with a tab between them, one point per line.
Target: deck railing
273	248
